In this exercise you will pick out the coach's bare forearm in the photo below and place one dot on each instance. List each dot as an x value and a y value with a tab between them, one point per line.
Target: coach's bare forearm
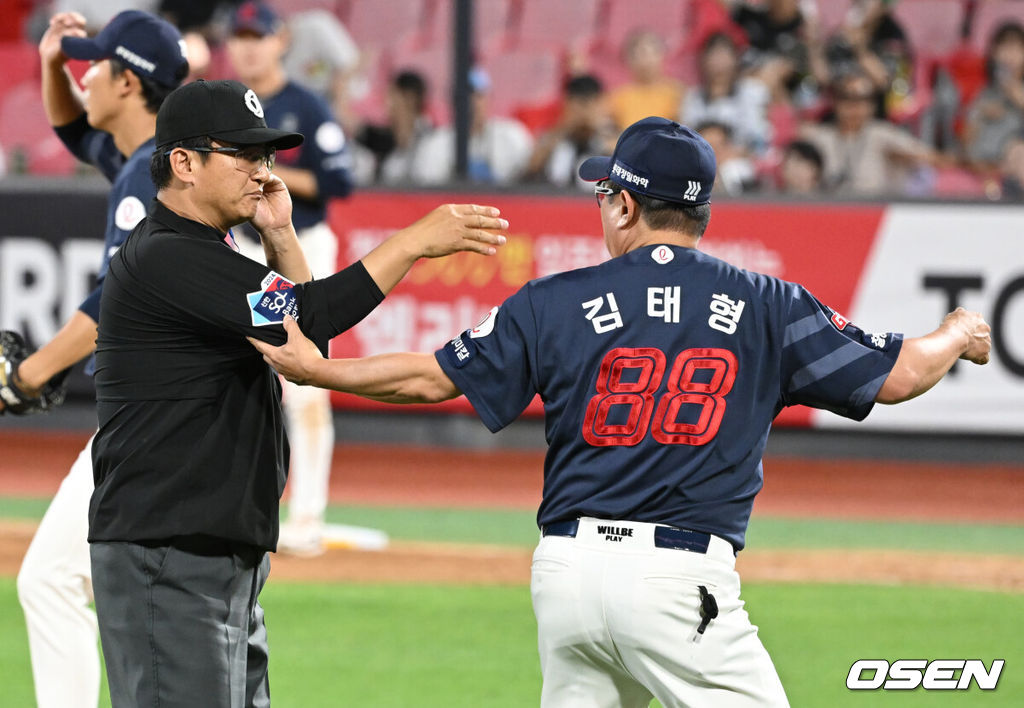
392	378
923	361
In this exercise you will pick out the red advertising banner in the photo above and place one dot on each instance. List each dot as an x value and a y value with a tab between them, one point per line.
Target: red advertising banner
823	247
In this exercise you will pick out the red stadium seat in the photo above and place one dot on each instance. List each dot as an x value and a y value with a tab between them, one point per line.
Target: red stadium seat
987	18
26	136
932	26
668	18
290	7
20	62
564	23
523	77
491	21
955	182
382	23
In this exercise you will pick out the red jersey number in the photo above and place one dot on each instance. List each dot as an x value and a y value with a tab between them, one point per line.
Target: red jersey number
638	394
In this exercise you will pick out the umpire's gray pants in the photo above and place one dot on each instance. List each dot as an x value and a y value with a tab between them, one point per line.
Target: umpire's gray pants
181	625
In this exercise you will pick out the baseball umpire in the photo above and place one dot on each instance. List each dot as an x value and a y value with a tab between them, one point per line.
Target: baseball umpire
661	371
137	60
190	457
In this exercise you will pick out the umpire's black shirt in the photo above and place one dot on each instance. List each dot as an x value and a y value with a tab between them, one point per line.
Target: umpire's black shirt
191	440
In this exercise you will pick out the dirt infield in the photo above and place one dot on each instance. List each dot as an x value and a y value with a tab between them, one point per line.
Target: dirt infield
34	464
496	565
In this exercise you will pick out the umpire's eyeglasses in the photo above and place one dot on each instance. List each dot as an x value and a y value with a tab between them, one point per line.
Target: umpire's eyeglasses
248	158
601	189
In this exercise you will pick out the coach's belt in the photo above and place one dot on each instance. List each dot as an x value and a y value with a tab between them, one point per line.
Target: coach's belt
664	536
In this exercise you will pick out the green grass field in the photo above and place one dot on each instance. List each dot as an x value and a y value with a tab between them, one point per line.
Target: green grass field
444	646
427	645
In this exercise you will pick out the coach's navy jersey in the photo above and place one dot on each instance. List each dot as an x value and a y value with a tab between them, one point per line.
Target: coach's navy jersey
129	196
661	372
298	110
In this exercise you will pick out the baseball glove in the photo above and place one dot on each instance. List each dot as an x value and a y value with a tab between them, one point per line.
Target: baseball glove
13	351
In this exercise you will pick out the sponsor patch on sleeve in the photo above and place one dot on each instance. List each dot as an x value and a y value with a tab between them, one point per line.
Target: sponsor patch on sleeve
839	321
273	301
460	351
486	325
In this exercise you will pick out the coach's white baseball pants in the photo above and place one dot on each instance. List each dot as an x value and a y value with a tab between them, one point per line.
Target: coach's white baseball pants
617	625
55	590
307	408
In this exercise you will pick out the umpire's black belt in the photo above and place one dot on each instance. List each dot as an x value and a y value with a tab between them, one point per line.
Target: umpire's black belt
664	536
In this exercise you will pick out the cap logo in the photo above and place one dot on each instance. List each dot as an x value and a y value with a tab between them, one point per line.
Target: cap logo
628	177
134	59
253	103
692	190
184	48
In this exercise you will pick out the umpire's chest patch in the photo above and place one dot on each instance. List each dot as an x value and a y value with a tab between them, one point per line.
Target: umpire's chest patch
275	299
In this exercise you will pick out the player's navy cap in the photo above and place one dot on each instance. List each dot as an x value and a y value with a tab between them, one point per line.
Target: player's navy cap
149	46
224	110
255	17
658	158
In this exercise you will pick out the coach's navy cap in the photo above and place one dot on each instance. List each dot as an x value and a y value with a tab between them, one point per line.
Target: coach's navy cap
658	158
255	17
149	46
224	110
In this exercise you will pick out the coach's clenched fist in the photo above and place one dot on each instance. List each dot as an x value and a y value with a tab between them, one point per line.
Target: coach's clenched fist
977	334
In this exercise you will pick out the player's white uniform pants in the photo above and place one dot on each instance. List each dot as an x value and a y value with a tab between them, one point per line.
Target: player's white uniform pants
617	624
55	590
307	408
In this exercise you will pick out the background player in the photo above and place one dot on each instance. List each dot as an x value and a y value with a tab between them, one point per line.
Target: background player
314	172
661	371
137	60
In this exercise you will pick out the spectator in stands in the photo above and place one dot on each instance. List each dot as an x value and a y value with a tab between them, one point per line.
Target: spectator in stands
736	173
997	113
393	148
785	47
872	40
649	92
499	148
584	129
1012	170
865	156
725	97
802	169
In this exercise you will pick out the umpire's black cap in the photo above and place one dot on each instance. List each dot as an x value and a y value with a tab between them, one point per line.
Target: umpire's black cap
223	110
659	158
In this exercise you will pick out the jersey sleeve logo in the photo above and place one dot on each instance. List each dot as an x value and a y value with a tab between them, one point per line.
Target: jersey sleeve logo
486	325
129	212
273	301
839	321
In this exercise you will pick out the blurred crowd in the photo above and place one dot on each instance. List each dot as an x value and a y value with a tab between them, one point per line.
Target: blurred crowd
841	98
